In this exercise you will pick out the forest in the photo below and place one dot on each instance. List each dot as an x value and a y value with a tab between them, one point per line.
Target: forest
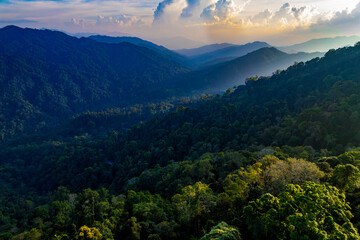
48	77
275	158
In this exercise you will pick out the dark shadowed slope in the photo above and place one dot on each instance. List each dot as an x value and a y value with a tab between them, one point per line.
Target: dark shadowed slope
48	76
143	43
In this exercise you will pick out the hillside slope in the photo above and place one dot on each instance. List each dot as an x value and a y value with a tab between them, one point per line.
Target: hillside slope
226	54
302	105
248	158
143	43
48	76
204	49
262	62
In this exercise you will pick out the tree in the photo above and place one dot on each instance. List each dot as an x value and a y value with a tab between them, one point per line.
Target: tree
235	187
86	207
195	204
251	79
309	211
295	171
87	233
352	157
222	231
132	229
268	160
346	177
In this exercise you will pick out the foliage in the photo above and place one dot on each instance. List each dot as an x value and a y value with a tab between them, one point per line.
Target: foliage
89	233
179	174
222	231
295	171
346	177
41	88
309	211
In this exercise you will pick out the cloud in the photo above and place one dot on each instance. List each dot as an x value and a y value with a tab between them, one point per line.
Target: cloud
287	16
204	20
223	11
121	20
191	6
17	21
159	12
341	22
104	23
262	18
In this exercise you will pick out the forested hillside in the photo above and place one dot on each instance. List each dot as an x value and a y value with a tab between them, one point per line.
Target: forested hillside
143	43
47	77
274	159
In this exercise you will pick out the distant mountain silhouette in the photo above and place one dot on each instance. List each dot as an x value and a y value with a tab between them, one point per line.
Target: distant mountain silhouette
227	54
262	62
174	43
322	44
204	49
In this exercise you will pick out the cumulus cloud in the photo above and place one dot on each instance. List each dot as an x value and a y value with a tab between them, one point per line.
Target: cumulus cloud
77	22
121	20
189	9
287	17
104	23
218	20
160	10
180	10
223	11
341	22
262	18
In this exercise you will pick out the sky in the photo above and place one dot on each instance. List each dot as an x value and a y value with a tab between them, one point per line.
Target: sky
279	22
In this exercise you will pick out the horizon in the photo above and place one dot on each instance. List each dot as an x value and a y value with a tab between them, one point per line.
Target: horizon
200	44
279	23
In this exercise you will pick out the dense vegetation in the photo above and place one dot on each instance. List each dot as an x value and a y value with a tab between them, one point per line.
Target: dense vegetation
47	77
276	158
262	195
143	43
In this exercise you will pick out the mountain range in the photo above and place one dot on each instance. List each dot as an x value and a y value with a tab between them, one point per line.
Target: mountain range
48	77
204	49
277	153
143	43
275	157
261	62
321	44
226	54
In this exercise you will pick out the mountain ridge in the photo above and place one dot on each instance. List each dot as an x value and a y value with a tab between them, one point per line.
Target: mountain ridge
203	49
89	76
321	44
171	55
261	62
